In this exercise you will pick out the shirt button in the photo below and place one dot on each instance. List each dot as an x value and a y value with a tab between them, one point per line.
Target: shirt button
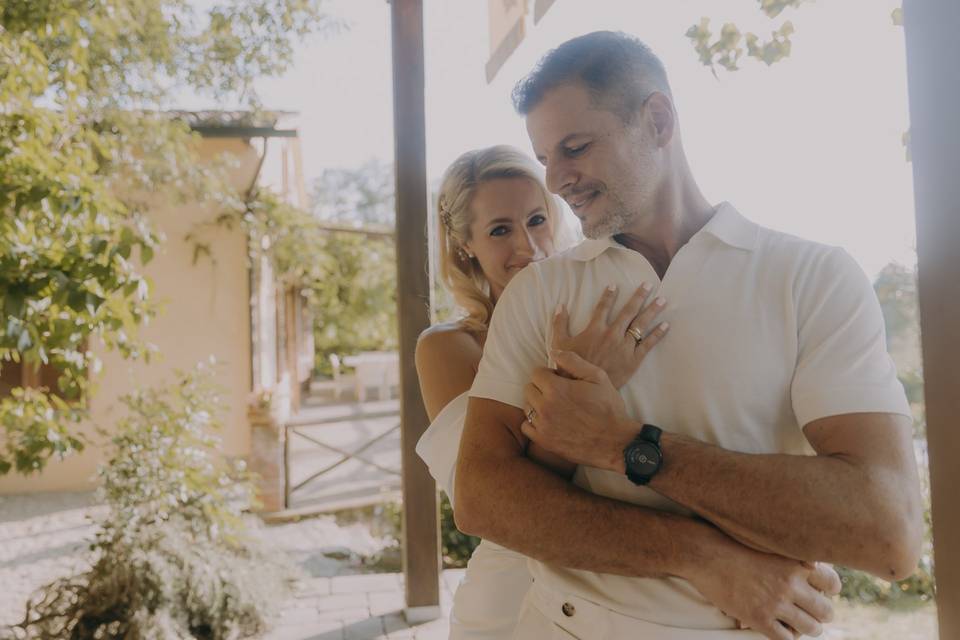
568	609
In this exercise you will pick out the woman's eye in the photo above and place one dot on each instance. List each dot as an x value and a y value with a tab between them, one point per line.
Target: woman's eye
573	151
499	231
536	220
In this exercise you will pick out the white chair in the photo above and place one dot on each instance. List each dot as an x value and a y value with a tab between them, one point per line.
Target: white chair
392	380
338	384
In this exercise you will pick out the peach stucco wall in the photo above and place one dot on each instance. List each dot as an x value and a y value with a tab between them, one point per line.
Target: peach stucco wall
205	311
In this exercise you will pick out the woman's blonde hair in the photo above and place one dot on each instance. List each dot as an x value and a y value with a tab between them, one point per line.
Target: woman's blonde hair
461	274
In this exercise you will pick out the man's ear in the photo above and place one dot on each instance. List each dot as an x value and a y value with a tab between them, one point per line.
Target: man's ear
661	115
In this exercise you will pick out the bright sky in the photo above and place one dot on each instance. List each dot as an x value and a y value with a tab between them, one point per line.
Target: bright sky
811	146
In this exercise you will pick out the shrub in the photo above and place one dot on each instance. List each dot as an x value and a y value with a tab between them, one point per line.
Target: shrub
863	587
859	586
455	546
172	558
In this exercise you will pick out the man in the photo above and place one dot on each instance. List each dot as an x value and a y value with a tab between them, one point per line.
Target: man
782	436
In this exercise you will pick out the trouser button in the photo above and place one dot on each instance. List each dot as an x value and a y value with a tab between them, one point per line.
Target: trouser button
568	609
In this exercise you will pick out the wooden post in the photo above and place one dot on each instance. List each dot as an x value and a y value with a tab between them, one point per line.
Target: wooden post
268	457
933	50
292	344
421	539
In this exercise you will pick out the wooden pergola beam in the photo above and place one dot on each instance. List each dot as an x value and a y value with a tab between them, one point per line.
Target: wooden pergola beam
933	50
421	531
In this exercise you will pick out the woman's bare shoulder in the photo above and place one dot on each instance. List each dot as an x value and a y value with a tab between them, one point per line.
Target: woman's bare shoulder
447	358
450	341
447	335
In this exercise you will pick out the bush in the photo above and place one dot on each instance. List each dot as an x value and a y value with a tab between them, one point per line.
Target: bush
862	587
455	546
355	305
172	558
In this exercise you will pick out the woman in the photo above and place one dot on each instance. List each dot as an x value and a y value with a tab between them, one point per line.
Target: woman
496	216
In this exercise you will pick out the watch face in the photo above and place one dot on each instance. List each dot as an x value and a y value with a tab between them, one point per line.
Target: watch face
643	458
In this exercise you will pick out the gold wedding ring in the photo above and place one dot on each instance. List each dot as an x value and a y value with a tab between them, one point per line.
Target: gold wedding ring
636	333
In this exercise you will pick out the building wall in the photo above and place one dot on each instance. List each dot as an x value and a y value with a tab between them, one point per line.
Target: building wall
205	311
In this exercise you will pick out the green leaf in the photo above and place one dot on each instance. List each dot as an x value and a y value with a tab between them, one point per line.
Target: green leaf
77	300
92	303
897	16
13	303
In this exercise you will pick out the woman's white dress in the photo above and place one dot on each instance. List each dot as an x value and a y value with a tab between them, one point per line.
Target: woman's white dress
487	603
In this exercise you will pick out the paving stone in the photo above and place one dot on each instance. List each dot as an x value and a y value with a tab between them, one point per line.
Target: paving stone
302	615
436	630
395	622
322	630
344	615
339	601
384	602
311	587
367	629
365	583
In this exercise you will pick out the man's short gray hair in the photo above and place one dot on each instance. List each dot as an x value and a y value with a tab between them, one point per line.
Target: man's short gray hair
618	69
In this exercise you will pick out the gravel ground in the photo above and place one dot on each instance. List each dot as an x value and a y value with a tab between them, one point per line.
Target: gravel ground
41	539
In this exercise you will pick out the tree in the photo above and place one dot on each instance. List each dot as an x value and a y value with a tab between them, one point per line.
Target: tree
355	304
360	197
350	278
727	50
84	144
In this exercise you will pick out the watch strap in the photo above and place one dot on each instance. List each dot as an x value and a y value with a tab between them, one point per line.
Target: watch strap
650	433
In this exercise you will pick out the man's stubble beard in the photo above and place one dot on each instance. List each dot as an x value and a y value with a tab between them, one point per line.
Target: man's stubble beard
614	220
619	215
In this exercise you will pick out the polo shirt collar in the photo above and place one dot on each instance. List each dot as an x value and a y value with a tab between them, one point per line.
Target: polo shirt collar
727	225
592	248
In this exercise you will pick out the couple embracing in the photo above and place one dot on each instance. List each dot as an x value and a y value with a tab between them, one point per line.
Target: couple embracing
671	429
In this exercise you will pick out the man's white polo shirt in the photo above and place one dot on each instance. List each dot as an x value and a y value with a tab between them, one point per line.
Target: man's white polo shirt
768	332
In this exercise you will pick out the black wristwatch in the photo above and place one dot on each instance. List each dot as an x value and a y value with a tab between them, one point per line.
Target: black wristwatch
642	457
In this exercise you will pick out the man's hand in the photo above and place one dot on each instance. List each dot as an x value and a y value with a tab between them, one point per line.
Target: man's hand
776	596
583	419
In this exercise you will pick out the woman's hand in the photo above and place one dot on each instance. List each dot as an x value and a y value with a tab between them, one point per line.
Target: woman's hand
612	346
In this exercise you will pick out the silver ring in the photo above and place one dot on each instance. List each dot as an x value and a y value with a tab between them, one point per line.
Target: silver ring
636	333
531	415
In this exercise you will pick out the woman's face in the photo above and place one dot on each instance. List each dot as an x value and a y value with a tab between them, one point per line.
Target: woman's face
511	228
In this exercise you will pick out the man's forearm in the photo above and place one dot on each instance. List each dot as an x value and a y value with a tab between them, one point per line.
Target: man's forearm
805	507
545	517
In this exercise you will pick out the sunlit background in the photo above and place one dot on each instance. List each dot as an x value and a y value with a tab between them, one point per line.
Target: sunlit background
812	145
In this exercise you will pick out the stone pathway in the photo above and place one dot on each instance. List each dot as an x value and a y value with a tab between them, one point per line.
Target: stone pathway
361	607
41	539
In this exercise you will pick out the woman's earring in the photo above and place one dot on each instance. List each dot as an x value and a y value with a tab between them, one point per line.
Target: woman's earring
464	254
